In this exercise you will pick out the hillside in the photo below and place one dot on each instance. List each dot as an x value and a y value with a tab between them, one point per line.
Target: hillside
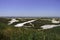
30	31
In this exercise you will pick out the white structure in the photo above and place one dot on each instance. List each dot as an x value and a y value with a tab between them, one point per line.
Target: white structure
22	24
54	21
49	26
12	21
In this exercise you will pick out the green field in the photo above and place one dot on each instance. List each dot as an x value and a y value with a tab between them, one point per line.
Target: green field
9	32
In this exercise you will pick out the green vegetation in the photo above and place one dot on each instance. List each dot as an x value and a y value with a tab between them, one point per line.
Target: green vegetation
9	32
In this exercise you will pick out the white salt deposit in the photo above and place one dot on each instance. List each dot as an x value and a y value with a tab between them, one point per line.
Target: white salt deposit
22	24
49	26
12	21
54	21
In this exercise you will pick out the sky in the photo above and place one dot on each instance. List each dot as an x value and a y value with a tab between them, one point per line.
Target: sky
44	8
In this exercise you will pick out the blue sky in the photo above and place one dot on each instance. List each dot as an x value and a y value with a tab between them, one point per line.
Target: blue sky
42	8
